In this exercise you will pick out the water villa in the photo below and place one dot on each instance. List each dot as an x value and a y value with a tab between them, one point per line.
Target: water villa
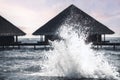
96	29
9	33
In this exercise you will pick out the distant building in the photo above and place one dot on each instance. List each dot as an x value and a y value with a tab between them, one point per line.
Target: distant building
8	32
95	28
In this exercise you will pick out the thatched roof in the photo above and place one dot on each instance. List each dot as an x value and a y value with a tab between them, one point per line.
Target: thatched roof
8	29
75	15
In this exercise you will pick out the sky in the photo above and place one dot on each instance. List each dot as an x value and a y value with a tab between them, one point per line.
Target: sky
29	15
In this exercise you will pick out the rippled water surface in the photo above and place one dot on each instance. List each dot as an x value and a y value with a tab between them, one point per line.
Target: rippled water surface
30	64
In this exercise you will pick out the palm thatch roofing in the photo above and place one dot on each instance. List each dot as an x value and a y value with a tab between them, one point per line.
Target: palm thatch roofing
76	15
8	29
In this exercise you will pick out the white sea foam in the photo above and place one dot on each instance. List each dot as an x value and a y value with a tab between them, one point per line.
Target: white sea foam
72	57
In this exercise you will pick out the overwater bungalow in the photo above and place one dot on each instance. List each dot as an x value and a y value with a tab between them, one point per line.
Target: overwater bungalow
8	32
95	28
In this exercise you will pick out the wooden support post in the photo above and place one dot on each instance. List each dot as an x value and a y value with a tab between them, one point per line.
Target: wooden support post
113	47
97	38
16	39
97	42
104	37
3	47
18	46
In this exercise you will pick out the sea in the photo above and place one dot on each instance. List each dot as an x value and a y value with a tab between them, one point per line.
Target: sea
61	62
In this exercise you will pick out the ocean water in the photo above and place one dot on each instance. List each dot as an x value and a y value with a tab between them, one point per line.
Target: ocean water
61	63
